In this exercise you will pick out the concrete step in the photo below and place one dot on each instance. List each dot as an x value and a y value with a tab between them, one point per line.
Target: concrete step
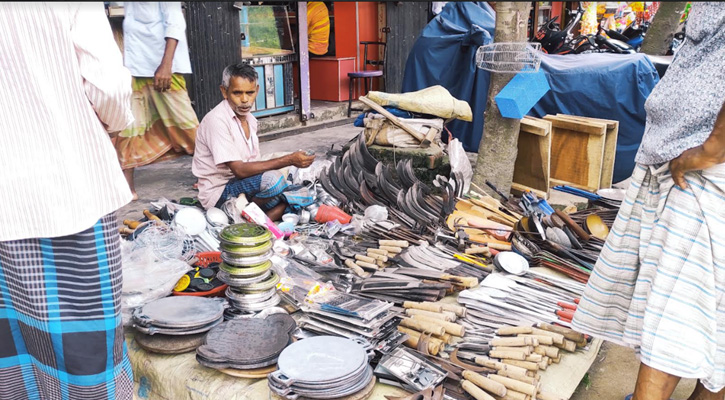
327	114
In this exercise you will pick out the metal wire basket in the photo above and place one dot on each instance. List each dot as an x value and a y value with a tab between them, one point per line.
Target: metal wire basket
509	57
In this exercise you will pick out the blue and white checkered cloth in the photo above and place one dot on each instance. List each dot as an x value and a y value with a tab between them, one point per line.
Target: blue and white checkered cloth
268	185
61	332
659	283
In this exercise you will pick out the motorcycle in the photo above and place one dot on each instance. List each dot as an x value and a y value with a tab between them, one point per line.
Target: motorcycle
600	43
557	41
553	39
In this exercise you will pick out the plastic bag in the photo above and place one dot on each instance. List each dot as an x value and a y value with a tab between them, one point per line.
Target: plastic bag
460	162
148	274
376	213
299	175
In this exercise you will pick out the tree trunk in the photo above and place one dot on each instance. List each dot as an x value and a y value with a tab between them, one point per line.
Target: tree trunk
499	143
659	36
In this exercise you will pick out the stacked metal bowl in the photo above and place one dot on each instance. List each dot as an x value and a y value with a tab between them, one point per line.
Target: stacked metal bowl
322	367
246	250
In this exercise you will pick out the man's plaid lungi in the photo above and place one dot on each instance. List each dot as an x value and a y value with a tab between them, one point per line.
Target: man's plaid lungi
61	334
659	282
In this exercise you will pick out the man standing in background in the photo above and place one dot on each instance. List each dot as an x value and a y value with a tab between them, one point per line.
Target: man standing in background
64	90
157	54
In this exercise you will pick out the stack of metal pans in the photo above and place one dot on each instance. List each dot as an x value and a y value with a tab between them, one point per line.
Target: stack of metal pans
246	250
322	367
245	344
179	315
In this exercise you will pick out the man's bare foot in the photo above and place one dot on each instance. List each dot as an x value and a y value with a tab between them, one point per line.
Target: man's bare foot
135	196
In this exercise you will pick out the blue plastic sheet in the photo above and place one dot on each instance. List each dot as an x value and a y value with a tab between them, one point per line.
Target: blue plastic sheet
360	120
608	86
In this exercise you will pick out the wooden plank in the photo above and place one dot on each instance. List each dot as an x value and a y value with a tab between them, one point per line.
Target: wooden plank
610	122
519	190
532	168
397	122
577	152
610	147
610	154
591	128
537	127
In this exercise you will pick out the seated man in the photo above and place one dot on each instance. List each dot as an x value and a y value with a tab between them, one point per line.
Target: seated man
226	159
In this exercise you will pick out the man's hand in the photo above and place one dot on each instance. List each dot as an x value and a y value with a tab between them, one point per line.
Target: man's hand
300	159
710	154
162	77
697	158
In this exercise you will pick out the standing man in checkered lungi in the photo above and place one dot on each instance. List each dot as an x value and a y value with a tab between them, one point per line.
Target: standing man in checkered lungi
659	283
64	88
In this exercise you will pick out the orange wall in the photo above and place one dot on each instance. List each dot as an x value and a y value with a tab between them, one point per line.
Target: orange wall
368	19
345	30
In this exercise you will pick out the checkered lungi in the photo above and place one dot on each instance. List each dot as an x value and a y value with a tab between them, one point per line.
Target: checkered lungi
267	185
659	282
61	334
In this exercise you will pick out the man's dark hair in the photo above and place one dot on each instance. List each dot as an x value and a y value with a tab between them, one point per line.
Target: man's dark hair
241	70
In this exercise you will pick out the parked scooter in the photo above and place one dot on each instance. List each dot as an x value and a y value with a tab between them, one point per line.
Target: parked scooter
553	39
600	43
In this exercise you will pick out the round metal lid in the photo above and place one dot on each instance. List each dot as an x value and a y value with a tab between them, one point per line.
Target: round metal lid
267	284
244	250
179	312
320	359
246	272
242	261
245	234
238	281
511	262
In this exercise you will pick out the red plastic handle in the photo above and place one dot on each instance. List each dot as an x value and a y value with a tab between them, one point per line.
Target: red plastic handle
568	314
566	305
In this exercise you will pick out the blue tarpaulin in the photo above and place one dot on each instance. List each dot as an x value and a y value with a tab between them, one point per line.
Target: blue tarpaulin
607	86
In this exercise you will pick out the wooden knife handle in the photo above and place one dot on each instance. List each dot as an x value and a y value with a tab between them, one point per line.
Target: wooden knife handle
423	306
475	391
394	243
150	216
131	224
391	249
467	281
568	333
573	225
513	384
514	330
487	384
450	327
366	259
423	326
459	310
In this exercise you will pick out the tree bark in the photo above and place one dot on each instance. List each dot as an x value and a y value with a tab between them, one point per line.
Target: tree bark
659	36
499	143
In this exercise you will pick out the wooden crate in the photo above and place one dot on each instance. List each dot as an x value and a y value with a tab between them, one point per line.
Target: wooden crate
532	167
610	147
577	152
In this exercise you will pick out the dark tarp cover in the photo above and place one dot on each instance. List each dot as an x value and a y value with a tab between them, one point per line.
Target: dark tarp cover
608	86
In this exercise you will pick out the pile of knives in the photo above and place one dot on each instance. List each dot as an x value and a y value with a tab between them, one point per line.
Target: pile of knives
420	273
